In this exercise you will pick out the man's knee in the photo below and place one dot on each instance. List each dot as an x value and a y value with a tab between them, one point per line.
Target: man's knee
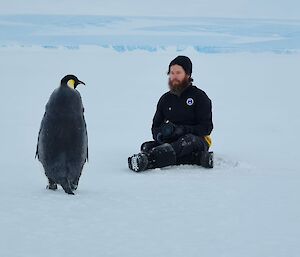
188	144
190	138
147	146
198	143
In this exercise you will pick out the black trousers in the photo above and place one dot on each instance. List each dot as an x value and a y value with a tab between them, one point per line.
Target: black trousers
187	148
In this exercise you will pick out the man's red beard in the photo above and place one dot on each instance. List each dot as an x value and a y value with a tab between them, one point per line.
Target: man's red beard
177	86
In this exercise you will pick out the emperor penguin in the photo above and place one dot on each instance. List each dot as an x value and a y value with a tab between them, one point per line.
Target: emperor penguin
62	145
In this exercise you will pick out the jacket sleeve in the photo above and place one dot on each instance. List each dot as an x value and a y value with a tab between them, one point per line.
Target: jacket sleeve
204	124
158	119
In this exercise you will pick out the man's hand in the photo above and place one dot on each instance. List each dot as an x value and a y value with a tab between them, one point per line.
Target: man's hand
159	138
167	129
169	132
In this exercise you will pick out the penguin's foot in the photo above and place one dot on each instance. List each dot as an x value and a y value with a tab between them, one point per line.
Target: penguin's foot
51	185
67	187
68	190
73	186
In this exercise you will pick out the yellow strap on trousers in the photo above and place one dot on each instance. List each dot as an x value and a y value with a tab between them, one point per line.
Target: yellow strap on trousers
208	140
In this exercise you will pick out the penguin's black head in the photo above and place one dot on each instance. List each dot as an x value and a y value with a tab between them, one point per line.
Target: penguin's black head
71	81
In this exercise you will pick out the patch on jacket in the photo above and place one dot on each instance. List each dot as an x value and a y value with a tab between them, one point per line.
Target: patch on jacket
190	101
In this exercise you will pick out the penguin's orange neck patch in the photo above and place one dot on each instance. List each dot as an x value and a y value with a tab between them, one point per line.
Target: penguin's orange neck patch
71	83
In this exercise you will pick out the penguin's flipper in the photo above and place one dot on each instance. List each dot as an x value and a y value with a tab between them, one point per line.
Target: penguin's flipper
37	151
87	148
37	145
87	154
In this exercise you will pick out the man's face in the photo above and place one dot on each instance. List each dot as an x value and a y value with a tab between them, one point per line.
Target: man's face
176	75
178	78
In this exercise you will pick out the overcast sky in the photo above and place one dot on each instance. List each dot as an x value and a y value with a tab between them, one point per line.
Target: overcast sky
278	9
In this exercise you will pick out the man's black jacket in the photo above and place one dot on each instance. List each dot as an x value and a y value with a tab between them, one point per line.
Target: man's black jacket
192	109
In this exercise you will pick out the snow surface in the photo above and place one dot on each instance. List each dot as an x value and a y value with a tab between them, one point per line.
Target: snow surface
248	205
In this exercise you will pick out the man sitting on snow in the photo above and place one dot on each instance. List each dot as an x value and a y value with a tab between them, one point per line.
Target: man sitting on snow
181	125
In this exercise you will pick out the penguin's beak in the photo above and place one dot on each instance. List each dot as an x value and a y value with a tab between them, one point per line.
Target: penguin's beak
80	82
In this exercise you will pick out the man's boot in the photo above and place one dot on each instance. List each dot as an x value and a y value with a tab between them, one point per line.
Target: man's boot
205	159
138	162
